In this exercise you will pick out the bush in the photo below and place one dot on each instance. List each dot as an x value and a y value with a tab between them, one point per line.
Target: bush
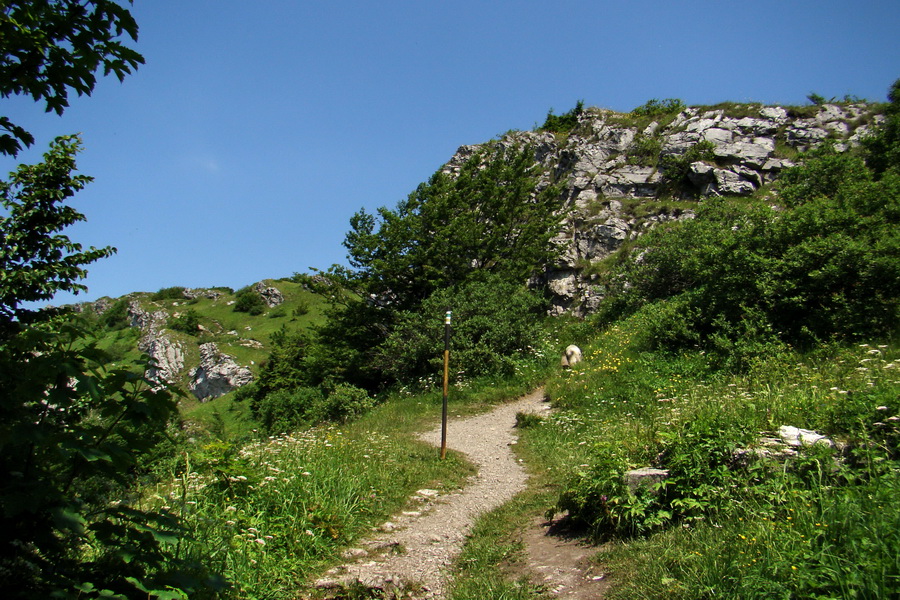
284	411
744	280
168	293
677	167
347	402
116	316
249	301
563	123
493	321
187	322
656	108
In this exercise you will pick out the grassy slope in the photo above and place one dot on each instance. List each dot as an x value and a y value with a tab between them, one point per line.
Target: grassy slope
804	529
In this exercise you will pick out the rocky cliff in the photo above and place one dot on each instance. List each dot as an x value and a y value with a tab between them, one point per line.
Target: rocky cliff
623	173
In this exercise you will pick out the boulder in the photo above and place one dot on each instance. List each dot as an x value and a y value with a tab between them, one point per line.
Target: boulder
217	374
645	478
167	358
270	295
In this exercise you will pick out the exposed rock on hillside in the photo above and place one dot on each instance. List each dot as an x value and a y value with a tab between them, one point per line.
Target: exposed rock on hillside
167	354
609	160
217	374
271	295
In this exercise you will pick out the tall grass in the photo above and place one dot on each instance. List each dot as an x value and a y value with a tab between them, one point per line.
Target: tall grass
821	524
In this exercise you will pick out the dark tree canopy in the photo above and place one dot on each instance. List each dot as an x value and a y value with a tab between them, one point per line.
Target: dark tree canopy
51	47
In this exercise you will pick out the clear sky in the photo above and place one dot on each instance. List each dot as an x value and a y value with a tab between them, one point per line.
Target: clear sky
255	129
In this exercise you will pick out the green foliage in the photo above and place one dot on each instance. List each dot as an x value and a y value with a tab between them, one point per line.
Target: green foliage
36	261
644	150
565	122
743	280
657	108
168	293
489	217
284	368
677	167
816	99
72	431
493	322
249	301
730	520
187	322
489	221
49	47
346	403
286	410
883	148
116	316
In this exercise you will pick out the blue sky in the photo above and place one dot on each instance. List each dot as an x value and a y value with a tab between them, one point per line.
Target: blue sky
254	131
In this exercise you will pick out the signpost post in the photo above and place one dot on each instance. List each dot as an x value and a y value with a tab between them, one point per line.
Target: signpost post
446	383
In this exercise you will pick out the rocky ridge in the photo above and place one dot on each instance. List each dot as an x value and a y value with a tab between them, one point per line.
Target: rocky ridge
612	163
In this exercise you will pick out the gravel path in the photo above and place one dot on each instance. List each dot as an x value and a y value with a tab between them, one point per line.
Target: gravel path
415	549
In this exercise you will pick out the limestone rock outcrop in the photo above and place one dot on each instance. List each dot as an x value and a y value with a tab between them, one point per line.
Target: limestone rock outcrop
607	170
272	296
217	374
167	355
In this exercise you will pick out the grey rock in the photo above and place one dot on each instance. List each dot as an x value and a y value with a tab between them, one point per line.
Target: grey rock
796	437
645	478
271	295
217	374
166	355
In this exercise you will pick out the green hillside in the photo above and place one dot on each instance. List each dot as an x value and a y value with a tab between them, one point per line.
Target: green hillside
708	330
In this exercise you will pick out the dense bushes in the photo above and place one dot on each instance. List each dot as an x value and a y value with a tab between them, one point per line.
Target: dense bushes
742	276
249	301
493	322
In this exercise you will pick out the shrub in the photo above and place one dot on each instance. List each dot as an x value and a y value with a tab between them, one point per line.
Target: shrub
677	167
654	107
249	301
283	411
116	316
347	402
563	123
493	321
187	322
168	293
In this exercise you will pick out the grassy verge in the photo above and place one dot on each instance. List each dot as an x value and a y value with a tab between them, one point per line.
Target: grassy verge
729	522
270	514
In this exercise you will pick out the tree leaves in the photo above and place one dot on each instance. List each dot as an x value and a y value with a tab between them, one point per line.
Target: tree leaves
49	47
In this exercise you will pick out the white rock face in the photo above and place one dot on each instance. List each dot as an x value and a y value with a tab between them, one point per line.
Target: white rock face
167	356
271	295
217	374
601	168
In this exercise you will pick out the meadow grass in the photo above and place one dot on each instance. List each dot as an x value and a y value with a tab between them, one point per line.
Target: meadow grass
272	513
823	524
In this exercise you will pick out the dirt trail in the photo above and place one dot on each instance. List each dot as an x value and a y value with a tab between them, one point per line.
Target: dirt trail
415	549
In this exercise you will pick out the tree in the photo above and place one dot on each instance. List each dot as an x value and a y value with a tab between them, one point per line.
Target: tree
51	47
36	260
492	219
72	432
